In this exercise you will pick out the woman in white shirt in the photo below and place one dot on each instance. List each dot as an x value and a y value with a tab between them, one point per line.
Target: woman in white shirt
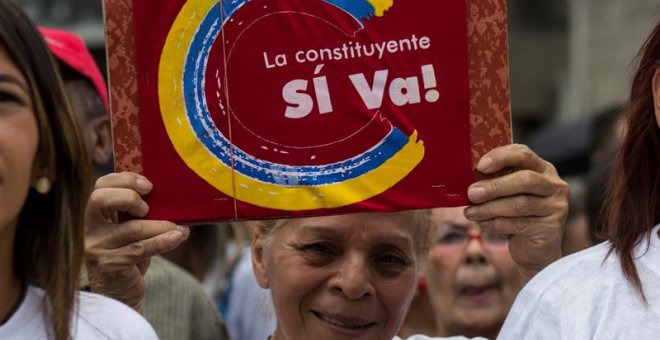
42	200
611	290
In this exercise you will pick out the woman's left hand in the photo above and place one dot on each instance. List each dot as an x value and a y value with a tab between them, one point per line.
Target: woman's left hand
530	203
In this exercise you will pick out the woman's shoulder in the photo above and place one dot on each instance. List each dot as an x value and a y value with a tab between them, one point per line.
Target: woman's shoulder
593	266
424	337
99	317
28	321
583	296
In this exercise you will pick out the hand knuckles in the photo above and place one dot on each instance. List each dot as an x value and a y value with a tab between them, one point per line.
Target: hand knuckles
519	147
126	177
91	259
109	261
136	250
134	199
496	224
562	189
95	198
488	224
530	178
562	206
551	169
100	182
526	153
500	224
496	187
126	272
522	224
134	232
521	205
91	244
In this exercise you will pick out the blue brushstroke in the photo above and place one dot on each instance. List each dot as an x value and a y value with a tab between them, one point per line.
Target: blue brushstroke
246	164
229	7
359	9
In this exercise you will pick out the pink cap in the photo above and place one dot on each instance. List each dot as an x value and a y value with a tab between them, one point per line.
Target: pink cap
70	49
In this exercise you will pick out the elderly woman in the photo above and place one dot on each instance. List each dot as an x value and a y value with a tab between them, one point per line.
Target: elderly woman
611	290
354	275
471	279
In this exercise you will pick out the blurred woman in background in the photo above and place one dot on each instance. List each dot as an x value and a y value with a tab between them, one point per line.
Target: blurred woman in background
471	278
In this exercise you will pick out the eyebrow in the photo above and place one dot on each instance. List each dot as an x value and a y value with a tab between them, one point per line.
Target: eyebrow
456	226
330	232
6	78
318	230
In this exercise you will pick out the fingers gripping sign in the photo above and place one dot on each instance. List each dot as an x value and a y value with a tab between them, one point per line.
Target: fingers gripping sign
117	253
531	204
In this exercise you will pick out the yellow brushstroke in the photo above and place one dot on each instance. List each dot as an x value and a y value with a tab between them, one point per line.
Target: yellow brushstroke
244	188
380	6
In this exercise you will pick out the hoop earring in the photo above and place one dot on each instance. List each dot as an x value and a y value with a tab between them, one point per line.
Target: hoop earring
42	185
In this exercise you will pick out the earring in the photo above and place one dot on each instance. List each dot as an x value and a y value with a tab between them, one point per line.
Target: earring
42	186
421	286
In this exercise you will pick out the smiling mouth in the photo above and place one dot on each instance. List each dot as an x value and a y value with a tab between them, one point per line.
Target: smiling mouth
477	293
356	325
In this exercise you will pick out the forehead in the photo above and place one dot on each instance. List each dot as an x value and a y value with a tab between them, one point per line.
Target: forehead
371	225
445	218
9	70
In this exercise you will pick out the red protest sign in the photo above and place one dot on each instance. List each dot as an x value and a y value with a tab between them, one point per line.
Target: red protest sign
268	108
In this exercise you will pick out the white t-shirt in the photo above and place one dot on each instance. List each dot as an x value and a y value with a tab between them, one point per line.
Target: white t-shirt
585	296
424	337
250	313
96	317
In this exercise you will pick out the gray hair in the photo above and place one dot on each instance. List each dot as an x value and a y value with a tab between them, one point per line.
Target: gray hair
420	220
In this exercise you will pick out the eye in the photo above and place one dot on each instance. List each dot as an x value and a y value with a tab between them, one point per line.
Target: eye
452	237
391	260
319	248
6	97
319	253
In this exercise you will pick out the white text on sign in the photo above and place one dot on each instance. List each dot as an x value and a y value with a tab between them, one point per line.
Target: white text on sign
401	91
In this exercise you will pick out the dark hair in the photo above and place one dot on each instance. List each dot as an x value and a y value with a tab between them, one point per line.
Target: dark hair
81	89
87	106
49	234
604	131
632	207
597	180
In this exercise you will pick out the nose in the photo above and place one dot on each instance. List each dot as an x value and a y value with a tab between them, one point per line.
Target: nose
353	278
474	252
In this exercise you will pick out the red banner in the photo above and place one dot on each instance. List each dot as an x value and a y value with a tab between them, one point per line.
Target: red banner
268	108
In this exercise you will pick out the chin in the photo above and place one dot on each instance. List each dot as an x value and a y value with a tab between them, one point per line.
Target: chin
481	323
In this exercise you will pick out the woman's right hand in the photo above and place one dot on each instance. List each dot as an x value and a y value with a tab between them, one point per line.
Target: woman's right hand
117	254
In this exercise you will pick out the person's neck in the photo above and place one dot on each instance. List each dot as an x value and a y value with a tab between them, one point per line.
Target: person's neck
10	285
276	335
448	331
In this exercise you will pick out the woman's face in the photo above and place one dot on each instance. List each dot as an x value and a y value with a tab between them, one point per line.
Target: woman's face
339	277
18	140
471	282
